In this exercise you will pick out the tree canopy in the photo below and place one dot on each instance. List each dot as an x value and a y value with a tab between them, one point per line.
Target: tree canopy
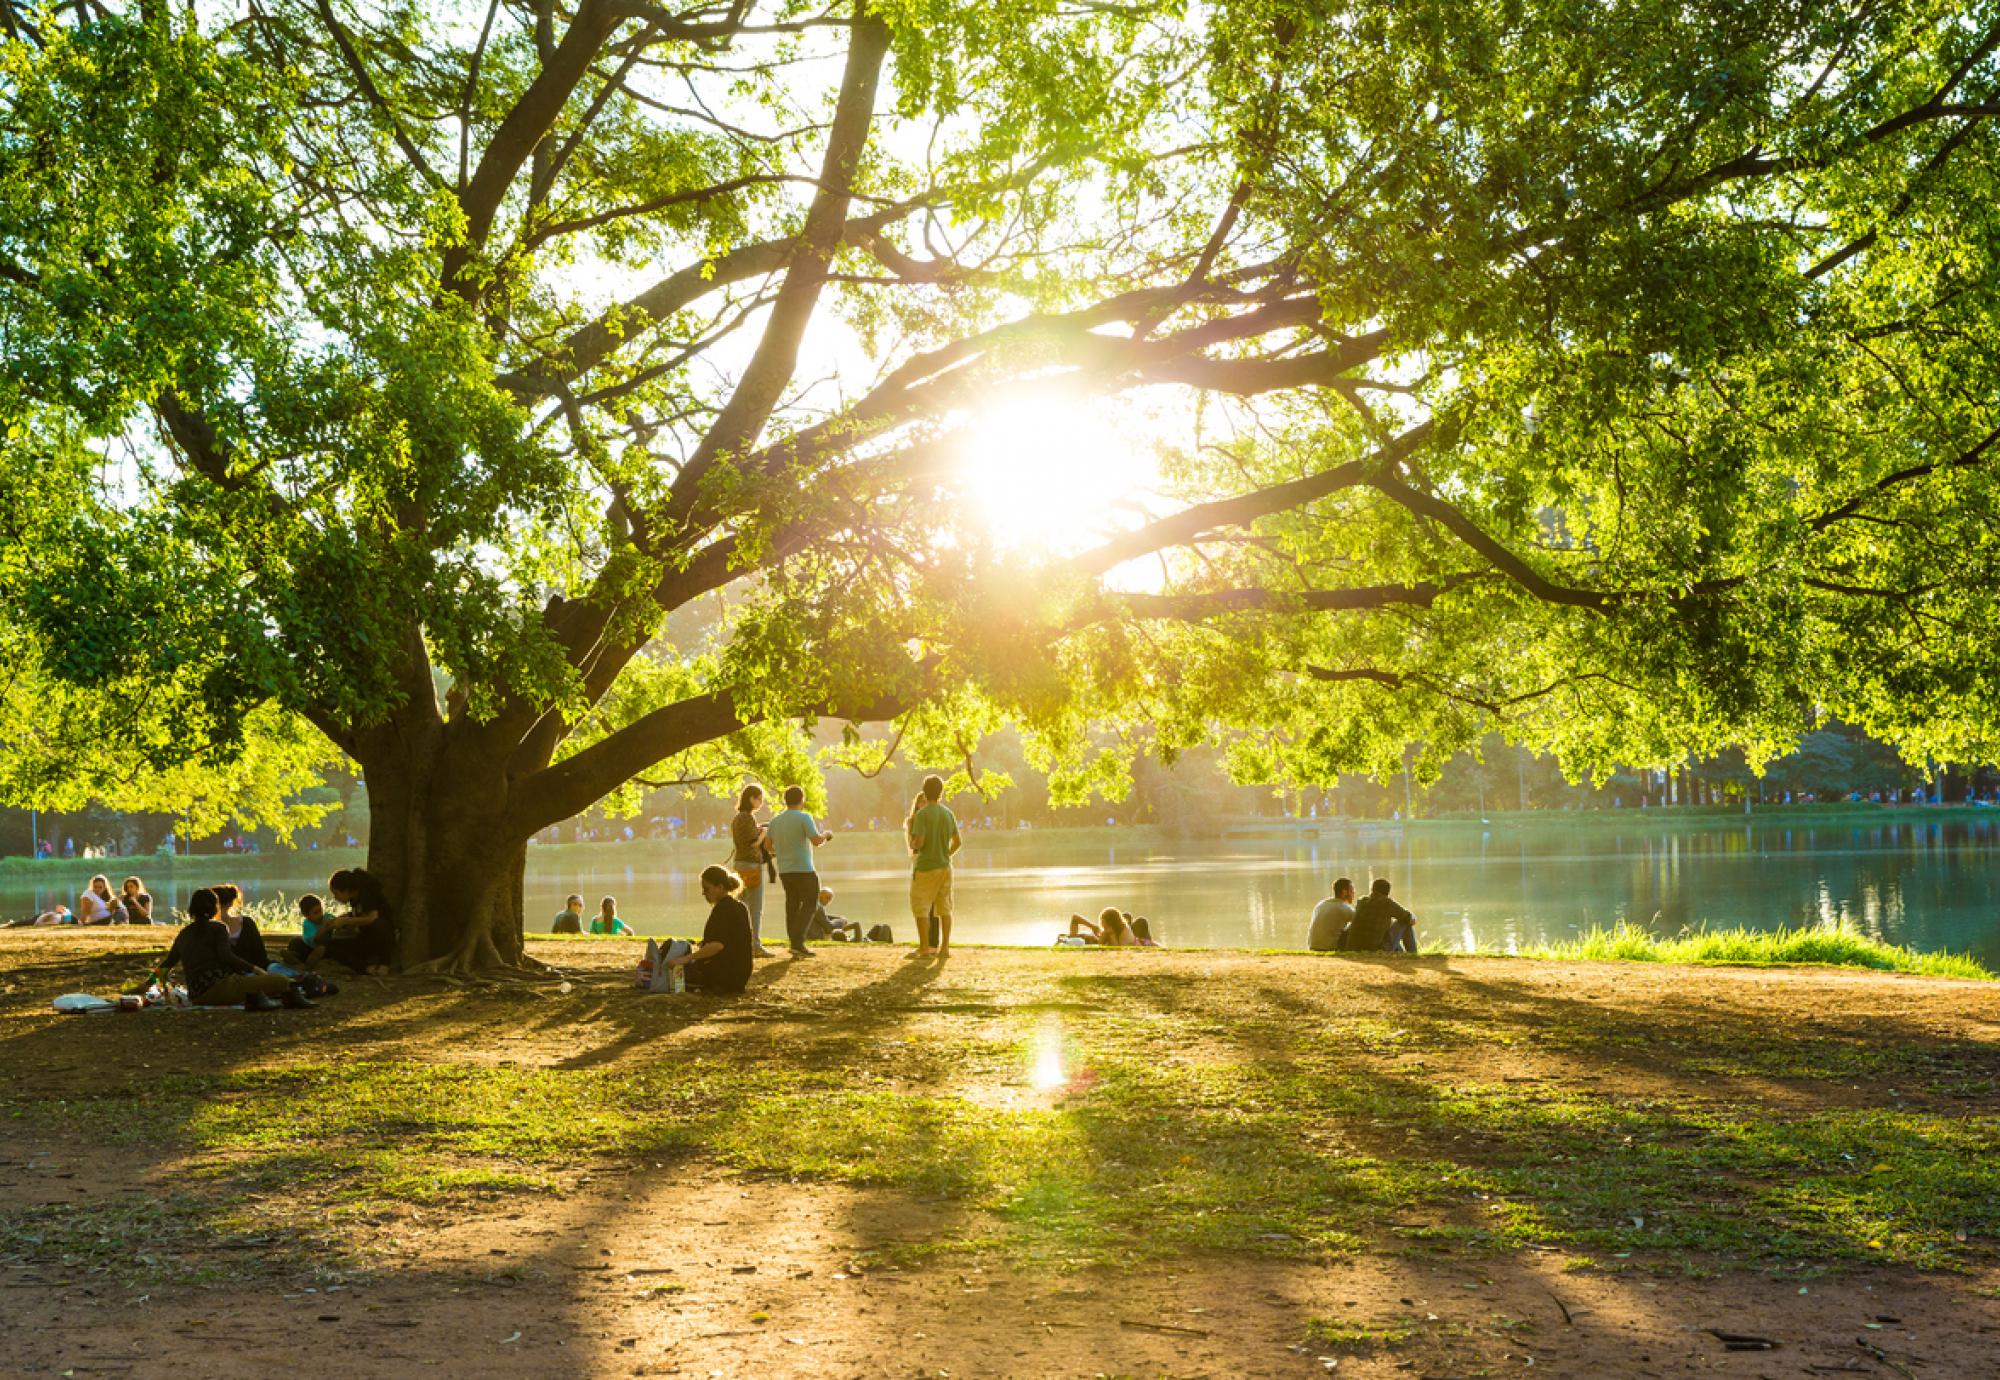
1621	378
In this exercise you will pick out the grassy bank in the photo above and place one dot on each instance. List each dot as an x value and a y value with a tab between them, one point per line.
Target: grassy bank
1835	947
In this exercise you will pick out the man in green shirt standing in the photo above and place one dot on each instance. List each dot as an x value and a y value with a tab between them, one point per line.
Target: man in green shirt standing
933	838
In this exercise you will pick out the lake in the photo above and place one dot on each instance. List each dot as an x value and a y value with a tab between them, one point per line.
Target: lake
1932	882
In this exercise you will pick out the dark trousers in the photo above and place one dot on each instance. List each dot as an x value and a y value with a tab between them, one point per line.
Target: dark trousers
801	896
705	975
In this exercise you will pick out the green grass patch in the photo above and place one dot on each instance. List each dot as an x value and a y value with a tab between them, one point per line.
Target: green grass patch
1340	1335
1839	947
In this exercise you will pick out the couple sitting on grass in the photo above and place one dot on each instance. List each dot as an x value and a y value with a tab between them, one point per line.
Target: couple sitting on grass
569	920
1377	925
1115	929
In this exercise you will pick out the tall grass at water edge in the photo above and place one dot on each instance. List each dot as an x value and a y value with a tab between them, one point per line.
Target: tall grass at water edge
1838	946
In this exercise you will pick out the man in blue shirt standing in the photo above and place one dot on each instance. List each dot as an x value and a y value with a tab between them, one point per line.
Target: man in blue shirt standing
794	834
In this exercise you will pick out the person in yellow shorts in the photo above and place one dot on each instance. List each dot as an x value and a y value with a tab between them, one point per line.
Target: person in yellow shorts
932	831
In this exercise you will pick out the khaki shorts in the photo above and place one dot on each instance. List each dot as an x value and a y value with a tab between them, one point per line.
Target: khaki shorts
930	889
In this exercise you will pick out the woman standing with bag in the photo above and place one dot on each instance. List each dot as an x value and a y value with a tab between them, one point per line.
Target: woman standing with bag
751	849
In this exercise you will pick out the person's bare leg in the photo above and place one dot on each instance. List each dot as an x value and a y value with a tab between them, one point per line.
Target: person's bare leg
944	933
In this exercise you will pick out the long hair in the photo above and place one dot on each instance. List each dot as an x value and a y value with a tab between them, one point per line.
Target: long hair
1113	922
751	792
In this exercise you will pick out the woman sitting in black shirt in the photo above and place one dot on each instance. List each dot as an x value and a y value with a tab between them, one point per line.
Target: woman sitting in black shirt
216	974
721	962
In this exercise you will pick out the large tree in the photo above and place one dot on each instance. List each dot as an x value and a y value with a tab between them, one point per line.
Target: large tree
1618	377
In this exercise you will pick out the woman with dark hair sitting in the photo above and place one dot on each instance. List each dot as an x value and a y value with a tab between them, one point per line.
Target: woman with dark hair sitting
721	962
363	939
216	976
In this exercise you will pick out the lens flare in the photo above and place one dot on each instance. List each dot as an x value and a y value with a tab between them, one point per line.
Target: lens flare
1047	1073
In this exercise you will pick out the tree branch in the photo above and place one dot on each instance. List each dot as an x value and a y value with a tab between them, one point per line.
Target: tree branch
1190	524
352	57
775	360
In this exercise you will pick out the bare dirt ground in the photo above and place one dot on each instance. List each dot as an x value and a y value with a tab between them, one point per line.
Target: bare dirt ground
686	1266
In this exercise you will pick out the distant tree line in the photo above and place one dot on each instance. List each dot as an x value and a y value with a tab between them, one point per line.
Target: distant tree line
1190	797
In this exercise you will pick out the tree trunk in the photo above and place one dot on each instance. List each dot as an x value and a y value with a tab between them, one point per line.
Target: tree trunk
448	856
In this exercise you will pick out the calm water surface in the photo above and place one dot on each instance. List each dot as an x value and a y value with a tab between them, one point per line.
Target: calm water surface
1933	885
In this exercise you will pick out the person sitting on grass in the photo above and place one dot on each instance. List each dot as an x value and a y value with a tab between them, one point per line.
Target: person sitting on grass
1331	918
94	904
1142	934
1111	929
721	962
245	941
138	904
607	921
1380	925
824	926
216	975
569	920
308	948
364	938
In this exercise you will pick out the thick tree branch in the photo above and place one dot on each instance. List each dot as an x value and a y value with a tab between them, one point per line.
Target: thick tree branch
1496	553
1190	524
775	360
521	132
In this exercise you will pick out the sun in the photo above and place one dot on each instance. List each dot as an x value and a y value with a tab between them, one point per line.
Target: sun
1051	473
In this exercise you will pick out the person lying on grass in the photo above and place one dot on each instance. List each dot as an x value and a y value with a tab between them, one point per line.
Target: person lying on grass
216	976
1113	930
721	962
